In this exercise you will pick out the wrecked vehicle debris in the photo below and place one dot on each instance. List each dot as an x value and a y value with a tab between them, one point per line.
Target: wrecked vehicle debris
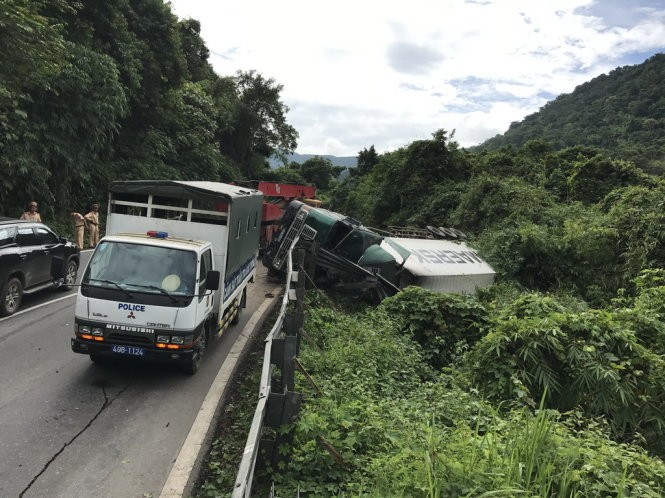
343	254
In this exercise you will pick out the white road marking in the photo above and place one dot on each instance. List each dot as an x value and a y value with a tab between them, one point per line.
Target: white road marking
37	306
43	304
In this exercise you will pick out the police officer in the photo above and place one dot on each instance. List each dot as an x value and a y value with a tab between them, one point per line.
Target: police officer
79	227
31	214
92	218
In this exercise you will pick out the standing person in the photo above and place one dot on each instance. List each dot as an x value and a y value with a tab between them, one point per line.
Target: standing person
79	227
93	225
31	214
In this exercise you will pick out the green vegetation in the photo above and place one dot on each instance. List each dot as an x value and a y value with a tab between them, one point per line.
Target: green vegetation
572	220
622	112
115	90
391	421
549	383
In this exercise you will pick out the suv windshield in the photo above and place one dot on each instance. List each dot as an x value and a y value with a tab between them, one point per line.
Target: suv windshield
142	268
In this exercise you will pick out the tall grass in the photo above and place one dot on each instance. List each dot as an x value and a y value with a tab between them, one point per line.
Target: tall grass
522	462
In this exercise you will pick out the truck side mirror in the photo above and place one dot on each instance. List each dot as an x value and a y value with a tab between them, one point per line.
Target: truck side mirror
212	280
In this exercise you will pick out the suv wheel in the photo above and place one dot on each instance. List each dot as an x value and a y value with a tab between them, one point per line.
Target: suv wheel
70	274
10	299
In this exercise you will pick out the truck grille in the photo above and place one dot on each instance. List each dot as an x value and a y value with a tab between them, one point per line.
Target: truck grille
128	339
291	235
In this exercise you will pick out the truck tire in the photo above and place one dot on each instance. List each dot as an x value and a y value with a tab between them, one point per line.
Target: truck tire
193	365
98	359
460	234
448	232
436	231
10	297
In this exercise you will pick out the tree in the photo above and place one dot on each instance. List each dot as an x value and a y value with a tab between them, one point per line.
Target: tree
195	51
593	179
403	178
638	214
319	171
260	128
32	49
73	122
367	159
189	122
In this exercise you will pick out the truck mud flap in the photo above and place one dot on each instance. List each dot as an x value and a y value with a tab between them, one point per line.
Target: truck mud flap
229	314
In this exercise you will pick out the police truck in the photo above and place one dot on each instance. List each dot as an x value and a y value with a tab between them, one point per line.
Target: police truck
172	272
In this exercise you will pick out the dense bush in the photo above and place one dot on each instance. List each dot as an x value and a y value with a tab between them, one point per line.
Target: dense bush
386	424
444	325
593	359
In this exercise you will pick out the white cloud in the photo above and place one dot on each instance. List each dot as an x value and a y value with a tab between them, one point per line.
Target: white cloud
385	73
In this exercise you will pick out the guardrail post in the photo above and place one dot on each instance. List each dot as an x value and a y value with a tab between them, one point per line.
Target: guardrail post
282	354
281	409
278	403
309	265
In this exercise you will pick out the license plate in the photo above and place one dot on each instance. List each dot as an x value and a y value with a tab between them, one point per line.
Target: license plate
128	350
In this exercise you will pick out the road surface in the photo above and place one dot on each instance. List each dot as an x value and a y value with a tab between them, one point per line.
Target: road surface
71	428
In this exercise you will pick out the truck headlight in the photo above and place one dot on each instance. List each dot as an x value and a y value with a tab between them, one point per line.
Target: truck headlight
162	338
97	331
178	339
84	329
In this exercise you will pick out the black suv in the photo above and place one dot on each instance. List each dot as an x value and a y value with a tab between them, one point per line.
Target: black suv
33	258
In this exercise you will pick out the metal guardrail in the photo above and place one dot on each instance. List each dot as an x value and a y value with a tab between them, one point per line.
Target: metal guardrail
278	403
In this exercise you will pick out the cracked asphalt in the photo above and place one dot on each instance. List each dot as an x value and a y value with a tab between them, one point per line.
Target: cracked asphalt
70	428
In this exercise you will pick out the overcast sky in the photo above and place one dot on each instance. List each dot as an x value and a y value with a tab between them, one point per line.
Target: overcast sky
385	73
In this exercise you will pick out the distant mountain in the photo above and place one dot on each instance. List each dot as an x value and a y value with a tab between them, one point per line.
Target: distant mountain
345	161
622	112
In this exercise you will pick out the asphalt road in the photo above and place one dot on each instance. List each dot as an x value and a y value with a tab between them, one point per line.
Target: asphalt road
70	428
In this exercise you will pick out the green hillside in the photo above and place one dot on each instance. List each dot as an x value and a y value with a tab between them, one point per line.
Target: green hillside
622	112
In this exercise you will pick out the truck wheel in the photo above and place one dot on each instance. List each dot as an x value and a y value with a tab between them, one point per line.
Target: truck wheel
448	232
436	231
193	365
98	359
70	275
10	298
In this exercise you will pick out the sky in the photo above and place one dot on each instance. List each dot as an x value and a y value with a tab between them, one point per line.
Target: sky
357	73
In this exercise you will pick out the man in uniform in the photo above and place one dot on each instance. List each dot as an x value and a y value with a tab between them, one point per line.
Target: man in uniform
79	227
92	218
31	214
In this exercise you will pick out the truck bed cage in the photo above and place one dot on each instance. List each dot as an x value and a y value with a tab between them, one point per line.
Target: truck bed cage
202	202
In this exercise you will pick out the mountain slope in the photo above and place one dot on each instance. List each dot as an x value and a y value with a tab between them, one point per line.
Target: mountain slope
622	112
345	161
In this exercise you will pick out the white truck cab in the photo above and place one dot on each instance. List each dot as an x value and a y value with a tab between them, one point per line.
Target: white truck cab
172	273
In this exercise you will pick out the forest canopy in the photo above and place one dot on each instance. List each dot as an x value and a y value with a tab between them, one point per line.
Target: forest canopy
101	90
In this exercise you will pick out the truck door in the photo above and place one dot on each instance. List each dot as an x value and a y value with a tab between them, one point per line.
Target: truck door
205	307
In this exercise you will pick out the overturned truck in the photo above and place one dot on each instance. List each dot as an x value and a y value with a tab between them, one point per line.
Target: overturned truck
345	255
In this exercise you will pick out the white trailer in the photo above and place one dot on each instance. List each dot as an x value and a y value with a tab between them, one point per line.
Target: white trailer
439	265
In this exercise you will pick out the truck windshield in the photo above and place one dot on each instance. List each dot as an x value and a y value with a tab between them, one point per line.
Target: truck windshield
140	268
